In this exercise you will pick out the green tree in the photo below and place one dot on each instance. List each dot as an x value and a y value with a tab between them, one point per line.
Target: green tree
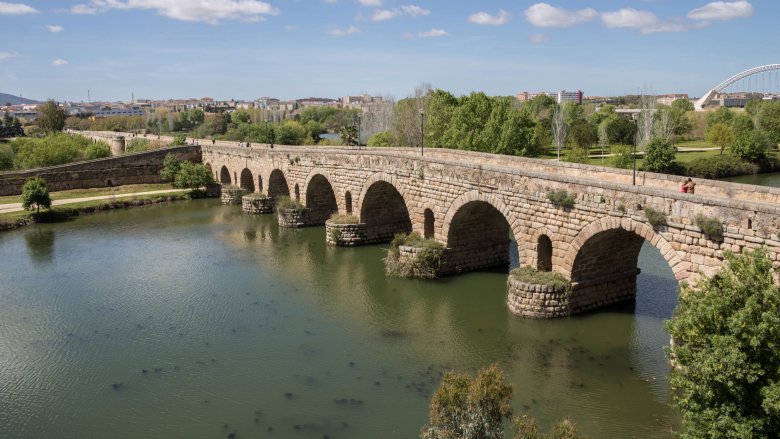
721	135
768	119
51	117
751	146
659	155
171	166
682	105
35	194
622	156
470	408
6	157
726	331
179	139
721	115
97	151
576	155
382	138
348	134
619	130
742	123
192	176
583	134
291	133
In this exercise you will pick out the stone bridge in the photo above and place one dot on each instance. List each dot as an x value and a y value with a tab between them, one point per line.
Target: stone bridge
472	202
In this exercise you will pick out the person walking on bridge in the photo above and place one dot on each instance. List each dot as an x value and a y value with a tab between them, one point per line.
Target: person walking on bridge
690	186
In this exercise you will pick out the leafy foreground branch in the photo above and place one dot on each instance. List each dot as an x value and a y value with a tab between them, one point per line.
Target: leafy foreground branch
475	408
726	333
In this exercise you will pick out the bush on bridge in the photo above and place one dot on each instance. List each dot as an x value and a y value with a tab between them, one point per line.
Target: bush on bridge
531	275
426	263
709	225
284	203
727	351
560	198
655	217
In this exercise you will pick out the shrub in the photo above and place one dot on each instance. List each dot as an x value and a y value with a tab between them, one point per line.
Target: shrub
576	155
655	217
137	145
622	156
97	151
719	166
338	218
171	166
192	176
531	275
621	208
709	225
288	203
54	149
382	138
179	139
6	157
425	265
560	198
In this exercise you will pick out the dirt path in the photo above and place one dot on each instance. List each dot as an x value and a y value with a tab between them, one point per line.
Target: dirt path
16	207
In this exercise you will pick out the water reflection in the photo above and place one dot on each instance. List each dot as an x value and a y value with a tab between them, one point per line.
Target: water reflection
40	243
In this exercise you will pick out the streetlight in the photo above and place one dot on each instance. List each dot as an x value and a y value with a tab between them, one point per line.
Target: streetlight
422	132
636	133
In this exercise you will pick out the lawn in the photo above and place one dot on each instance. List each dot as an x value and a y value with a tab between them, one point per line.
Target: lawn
94	192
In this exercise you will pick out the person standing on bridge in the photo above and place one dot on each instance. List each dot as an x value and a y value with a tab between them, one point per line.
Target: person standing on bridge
690	186
684	187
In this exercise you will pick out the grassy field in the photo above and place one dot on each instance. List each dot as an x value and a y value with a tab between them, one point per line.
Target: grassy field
94	192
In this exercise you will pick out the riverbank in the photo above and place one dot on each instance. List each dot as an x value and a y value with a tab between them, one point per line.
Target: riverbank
20	218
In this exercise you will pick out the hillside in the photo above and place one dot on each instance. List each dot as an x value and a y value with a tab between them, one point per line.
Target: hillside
6	98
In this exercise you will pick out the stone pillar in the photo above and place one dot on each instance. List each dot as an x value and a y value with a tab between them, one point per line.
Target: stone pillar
590	294
346	235
213	190
294	218
256	204
232	194
536	301
117	145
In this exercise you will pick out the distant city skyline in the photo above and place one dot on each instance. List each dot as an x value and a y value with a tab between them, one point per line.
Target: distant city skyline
159	49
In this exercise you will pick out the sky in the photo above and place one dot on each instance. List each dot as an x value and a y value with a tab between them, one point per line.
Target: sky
245	49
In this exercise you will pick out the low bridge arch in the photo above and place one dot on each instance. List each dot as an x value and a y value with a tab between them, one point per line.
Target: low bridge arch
384	208
277	185
224	175
247	180
320	198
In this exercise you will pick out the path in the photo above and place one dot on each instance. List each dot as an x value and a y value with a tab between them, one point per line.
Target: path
16	207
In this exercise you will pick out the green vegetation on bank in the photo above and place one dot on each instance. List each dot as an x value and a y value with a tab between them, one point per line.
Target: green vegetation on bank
726	331
93	192
53	149
466	407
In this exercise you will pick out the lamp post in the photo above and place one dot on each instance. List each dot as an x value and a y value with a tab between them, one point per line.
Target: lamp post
633	180
422	133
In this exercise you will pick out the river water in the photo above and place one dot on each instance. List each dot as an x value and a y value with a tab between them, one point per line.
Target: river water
769	179
193	320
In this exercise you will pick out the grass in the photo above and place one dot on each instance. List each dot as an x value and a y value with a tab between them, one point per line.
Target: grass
94	192
338	218
533	276
12	217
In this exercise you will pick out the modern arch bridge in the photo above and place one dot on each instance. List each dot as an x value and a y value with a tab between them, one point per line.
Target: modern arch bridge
755	72
470	202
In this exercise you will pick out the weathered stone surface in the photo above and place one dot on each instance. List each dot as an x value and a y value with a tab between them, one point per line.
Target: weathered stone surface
535	301
255	204
232	195
294	218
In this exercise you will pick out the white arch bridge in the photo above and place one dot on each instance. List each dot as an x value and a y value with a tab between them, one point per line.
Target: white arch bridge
754	72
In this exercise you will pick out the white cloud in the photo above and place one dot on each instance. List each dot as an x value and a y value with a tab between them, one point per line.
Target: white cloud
538	38
545	15
491	20
372	3
7	55
16	9
722	11
433	33
389	14
631	18
344	32
59	62
208	11
54	28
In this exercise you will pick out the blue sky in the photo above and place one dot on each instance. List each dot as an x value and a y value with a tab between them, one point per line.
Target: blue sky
244	49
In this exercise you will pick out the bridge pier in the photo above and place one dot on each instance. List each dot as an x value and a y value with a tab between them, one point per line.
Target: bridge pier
256	204
293	218
590	294
232	195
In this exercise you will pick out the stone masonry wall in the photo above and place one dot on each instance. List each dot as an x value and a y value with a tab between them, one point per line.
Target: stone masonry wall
536	301
138	168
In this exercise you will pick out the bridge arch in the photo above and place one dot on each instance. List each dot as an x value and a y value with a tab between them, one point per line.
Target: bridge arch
277	185
707	98
602	261
390	179
384	211
247	180
476	230
224	175
320	198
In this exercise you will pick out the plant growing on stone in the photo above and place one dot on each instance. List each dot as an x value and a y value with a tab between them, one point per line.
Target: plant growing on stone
561	199
338	218
621	208
726	331
655	217
709	225
285	203
335	235
426	263
531	275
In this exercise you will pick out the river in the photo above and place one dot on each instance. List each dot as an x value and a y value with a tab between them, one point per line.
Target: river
193	320
770	179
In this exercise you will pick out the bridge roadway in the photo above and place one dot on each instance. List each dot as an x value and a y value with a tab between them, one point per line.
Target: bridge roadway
471	201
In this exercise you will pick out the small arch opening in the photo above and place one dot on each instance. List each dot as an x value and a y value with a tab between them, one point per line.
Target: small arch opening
428	227
224	175
544	253
348	202
247	181
259	183
297	193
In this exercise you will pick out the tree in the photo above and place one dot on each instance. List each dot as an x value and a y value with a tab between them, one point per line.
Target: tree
583	134
382	138
682	105
192	176
179	139
721	135
721	115
470	408
171	166
35	194
646	123
742	123
659	155
769	119
560	129
622	156
348	134
726	333
619	130
751	146
51	118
